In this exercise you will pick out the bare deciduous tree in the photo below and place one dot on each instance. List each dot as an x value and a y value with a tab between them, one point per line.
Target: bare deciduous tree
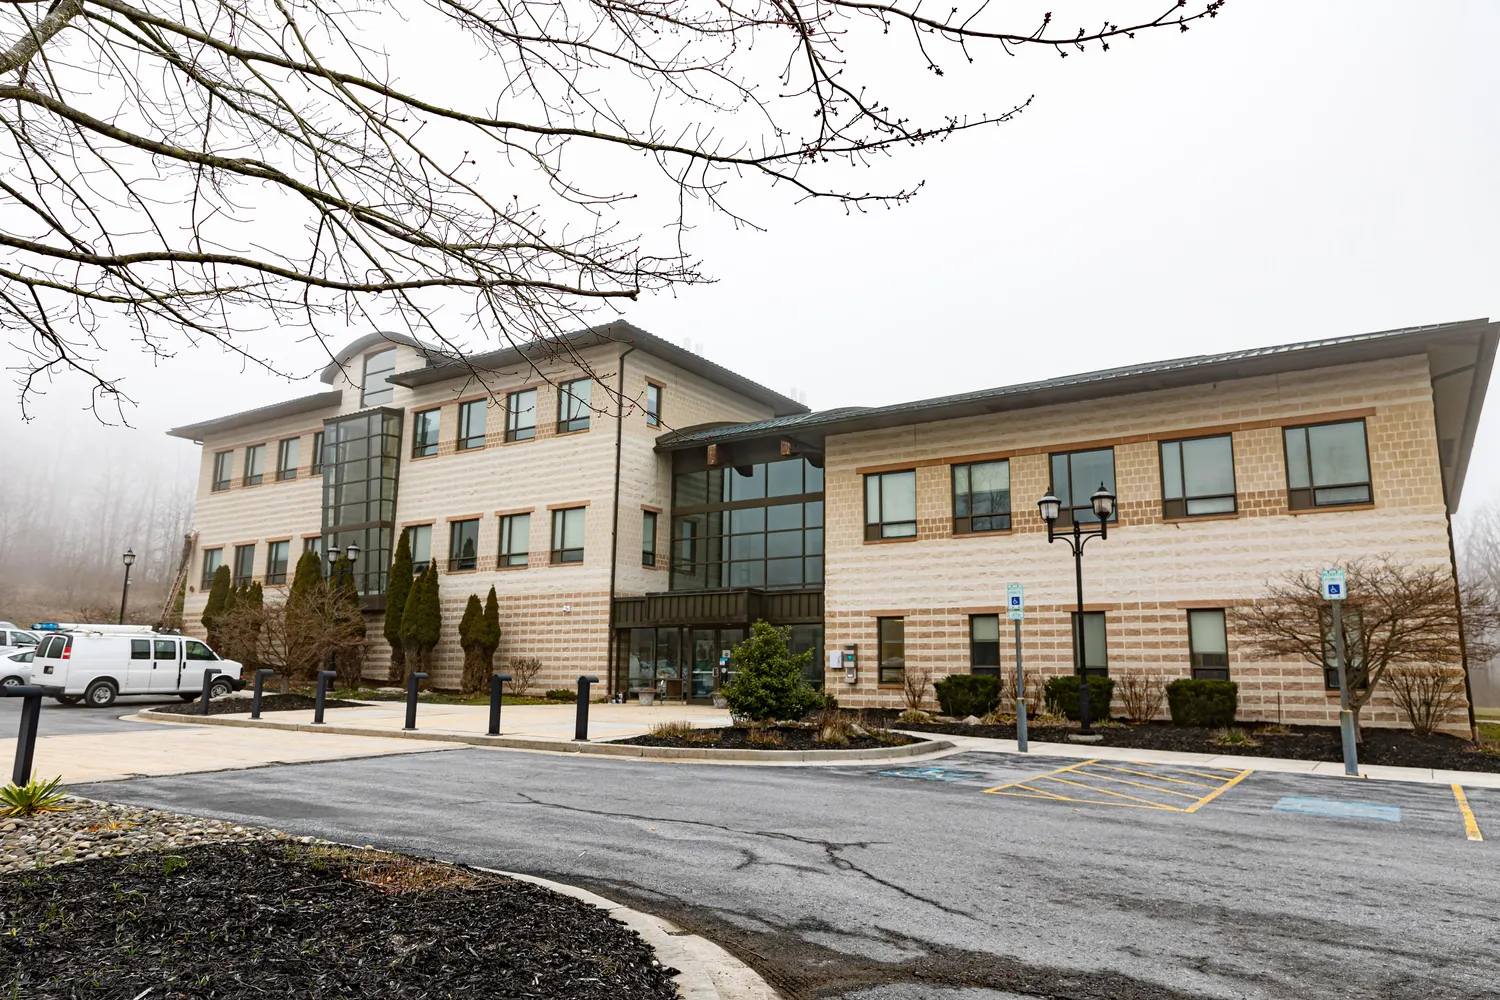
1143	695
200	171
1395	614
523	673
1428	696
915	680
295	634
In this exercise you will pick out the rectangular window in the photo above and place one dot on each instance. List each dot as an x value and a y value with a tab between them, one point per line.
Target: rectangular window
567	535
463	545
313	545
1076	476
981	497
287	452
223	470
891	505
891	650
573	405
244	563
471	424
984	645
255	464
520	415
212	560
164	649
424	433
1095	641
1353	659
1208	645
378	367
515	540
648	538
419	538
1197	477
653	405
317	455
1327	465
276	559
140	649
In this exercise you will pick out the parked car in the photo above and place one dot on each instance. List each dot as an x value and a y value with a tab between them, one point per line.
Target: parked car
15	668
17	638
96	666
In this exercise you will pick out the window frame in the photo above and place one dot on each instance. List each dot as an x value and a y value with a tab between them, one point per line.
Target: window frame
975	667
1067	507
565	394
223	474
1198	668
881	643
254	478
461	563
273	578
509	558
1074	627
1171	513
877	530
235	578
514	431
653	404
284	471
470	441
207	580
421	446
1312	489
418	565
964	524
651	520
366	394
560	554
315	465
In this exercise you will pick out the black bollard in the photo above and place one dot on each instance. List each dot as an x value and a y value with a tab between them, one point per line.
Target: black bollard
208	682
31	714
497	688
411	699
260	681
325	677
581	731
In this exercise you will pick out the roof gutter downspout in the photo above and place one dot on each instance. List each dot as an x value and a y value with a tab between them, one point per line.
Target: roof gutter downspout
614	526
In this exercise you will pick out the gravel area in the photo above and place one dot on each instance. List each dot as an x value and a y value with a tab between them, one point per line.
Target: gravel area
90	829
241	704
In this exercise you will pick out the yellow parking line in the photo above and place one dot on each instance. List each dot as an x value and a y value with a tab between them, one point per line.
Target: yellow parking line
1471	826
1219	791
1034	791
1106	791
1158	777
1137	784
1215	777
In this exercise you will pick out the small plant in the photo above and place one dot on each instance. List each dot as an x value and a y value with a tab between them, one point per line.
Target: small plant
1143	696
523	672
1231	737
172	862
560	694
673	730
1274	729
1428	696
915	680
766	736
36	796
768	681
1205	703
961	695
914	715
833	735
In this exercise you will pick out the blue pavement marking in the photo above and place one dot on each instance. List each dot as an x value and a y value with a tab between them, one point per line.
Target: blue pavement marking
932	774
1339	810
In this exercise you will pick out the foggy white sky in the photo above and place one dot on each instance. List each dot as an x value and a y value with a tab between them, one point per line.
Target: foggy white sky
1286	172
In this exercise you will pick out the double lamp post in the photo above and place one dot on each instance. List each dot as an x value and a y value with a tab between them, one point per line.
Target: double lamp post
1103	502
336	571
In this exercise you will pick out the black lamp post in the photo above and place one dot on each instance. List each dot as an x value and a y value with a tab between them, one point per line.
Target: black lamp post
1104	508
129	558
338	583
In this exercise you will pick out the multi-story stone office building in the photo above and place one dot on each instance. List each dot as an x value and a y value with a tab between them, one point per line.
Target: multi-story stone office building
637	507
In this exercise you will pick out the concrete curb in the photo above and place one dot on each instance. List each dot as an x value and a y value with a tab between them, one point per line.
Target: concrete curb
704	970
699	754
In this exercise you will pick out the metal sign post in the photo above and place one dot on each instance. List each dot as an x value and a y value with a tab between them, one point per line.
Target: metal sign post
1334	592
1015	599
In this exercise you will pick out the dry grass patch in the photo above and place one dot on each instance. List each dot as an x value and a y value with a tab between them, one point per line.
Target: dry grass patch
391	873
674	730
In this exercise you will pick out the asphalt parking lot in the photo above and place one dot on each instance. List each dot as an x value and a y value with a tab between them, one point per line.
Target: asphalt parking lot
65	720
978	877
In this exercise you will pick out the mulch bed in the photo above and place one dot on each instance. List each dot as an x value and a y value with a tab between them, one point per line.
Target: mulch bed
310	921
792	738
1396	747
268	703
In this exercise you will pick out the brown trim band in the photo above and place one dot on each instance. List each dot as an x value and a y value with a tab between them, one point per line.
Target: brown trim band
568	506
515	510
464	517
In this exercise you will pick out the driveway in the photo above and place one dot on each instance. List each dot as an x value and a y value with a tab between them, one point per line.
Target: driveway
985	876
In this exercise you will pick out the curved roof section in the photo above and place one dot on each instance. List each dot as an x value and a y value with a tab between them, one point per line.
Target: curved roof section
359	345
440	368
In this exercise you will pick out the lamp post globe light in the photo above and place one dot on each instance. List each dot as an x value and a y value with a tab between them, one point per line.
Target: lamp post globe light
129	558
1050	509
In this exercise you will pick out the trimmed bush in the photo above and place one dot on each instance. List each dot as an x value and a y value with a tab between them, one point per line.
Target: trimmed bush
1061	696
963	695
560	694
1203	702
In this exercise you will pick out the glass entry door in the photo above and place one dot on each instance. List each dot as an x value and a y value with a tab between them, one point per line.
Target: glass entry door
711	659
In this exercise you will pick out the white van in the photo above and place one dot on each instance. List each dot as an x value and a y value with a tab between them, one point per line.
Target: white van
97	666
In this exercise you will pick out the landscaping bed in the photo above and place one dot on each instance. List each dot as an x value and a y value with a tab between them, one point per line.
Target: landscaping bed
268	703
309	920
780	737
1396	747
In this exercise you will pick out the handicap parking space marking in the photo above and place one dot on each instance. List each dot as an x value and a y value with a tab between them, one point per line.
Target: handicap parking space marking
1133	784
1338	808
931	774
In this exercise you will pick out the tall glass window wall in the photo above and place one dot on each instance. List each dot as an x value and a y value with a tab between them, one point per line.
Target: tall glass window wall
361	462
757	525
